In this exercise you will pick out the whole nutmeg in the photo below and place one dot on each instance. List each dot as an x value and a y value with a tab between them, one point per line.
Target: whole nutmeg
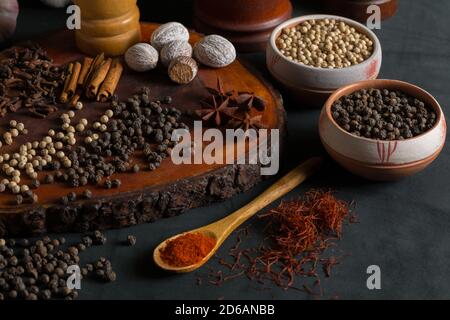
175	49
168	32
183	70
142	57
214	51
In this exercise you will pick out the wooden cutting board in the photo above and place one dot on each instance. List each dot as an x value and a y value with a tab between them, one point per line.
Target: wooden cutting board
145	196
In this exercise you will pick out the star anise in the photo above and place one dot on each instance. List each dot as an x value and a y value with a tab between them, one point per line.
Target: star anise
218	92
245	121
247	101
214	110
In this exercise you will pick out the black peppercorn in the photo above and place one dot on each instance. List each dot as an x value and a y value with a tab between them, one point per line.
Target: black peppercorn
87	241
49	179
35	184
167	100
131	240
116	183
72	196
87	194
19	199
65	200
107	184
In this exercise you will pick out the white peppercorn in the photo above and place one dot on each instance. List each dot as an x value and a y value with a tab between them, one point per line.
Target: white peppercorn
80	127
109	113
15	189
20	126
104	119
7	136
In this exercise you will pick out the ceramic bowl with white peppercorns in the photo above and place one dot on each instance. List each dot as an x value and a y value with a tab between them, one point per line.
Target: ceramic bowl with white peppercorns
312	56
383	129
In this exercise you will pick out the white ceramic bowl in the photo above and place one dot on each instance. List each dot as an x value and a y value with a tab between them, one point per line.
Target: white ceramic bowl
382	160
320	82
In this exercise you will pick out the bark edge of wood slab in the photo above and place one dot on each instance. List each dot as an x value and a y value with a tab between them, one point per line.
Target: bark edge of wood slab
153	201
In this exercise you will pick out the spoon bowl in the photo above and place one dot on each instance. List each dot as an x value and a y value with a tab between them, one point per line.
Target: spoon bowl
163	265
221	229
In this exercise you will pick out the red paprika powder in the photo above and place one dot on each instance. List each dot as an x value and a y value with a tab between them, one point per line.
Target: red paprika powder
187	249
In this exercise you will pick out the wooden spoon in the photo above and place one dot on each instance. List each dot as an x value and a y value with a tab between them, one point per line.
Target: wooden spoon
221	229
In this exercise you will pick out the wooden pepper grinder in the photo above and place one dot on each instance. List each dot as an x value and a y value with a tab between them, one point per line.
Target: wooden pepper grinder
248	24
109	26
357	9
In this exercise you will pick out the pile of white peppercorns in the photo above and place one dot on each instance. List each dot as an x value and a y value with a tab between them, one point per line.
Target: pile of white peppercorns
325	43
35	156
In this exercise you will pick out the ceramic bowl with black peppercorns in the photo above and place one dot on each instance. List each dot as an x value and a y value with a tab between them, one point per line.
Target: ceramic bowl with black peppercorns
383	129
312	56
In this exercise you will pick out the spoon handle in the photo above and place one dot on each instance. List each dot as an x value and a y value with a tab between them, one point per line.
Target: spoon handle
224	227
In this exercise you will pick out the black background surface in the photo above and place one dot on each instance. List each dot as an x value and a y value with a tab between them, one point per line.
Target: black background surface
404	227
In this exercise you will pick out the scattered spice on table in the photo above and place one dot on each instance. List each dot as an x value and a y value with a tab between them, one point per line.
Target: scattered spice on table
298	233
128	127
383	114
32	270
187	249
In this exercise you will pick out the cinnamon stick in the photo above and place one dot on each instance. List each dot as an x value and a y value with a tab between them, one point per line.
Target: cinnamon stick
74	100
95	64
112	79
87	63
63	98
72	87
98	76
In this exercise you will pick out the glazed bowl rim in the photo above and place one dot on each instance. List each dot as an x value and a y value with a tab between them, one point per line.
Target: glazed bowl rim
352	23
365	84
388	166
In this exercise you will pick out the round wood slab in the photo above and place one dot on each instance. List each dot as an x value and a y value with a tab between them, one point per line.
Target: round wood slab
145	196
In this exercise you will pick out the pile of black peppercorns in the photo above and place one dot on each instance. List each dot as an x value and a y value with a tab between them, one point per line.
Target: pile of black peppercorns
383	115
38	270
139	124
